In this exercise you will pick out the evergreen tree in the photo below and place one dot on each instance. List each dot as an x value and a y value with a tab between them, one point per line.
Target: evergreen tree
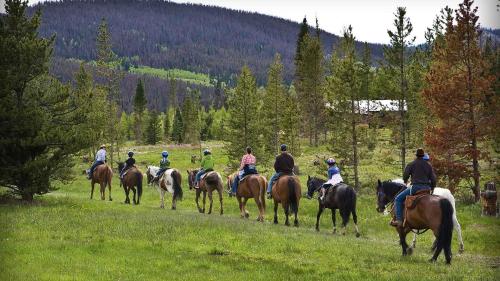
172	93
191	118
153	129
178	127
40	117
344	87
458	87
140	103
304	30
273	111
291	121
166	125
396	55
243	125
108	71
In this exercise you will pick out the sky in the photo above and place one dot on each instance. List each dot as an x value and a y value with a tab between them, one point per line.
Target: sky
370	19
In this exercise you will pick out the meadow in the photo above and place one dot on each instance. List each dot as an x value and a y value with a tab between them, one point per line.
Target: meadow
66	236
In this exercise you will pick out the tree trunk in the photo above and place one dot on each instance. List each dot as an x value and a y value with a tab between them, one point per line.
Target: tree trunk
473	138
27	196
403	115
354	144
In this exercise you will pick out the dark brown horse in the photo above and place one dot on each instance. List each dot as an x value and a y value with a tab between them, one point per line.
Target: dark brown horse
191	177
287	191
429	212
131	179
102	175
210	182
253	186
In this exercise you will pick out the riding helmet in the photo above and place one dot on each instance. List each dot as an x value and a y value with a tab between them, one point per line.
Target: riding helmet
283	147
130	153
164	153
206	152
330	161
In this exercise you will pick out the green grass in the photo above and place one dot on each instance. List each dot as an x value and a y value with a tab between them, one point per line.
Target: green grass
184	75
66	236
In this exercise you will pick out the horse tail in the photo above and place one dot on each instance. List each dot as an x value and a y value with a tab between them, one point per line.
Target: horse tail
292	196
110	176
176	178
139	183
445	229
262	190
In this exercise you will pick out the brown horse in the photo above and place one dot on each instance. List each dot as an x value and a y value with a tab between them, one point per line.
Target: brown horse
131	179
253	186
210	182
429	212
102	175
287	191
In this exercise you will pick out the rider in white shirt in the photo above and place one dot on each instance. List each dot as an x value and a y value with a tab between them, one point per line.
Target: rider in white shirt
100	158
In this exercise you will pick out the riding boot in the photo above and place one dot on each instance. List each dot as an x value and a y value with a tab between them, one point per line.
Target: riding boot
396	223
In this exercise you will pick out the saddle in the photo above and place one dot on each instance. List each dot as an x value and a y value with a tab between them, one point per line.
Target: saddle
207	172
412	200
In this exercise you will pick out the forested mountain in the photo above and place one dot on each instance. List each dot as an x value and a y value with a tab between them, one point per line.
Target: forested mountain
161	34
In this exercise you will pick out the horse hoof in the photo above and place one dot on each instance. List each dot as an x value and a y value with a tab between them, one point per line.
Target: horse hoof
357	234
161	207
247	215
287	223
296	224
275	221
317	229
110	199
432	260
334	231
410	251
461	250
173	208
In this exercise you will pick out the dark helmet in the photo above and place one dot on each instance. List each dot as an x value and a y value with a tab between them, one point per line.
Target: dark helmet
206	152
164	153
249	149
130	153
420	152
283	147
330	161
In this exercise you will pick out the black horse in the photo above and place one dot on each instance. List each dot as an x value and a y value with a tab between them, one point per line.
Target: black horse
342	197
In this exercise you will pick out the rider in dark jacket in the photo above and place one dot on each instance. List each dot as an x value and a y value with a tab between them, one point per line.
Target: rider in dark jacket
129	163
283	165
422	177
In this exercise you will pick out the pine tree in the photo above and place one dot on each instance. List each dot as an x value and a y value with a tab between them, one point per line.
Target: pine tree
140	103
458	86
304	30
291	121
172	93
166	125
243	125
273	111
191	118
396	55
153	128
178	127
344	88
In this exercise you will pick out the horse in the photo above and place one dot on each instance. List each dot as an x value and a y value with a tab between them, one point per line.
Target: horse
170	181
151	172
102	175
344	199
191	177
131	179
252	186
210	182
429	212
387	191
286	190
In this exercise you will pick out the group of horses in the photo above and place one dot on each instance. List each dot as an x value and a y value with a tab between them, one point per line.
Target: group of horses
435	212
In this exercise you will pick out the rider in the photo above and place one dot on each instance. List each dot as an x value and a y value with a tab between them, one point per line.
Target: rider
283	165
164	165
247	166
100	158
422	178
128	164
207	165
334	177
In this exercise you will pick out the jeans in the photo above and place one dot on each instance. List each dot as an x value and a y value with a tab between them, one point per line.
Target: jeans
400	199
198	175
272	180
236	180
96	163
160	172
123	171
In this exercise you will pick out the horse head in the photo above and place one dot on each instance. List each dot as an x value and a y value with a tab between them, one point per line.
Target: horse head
381	197
313	184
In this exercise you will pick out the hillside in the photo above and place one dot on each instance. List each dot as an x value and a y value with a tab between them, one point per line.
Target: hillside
202	39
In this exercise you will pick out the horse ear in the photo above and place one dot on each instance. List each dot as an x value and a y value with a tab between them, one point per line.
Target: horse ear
379	183
308	177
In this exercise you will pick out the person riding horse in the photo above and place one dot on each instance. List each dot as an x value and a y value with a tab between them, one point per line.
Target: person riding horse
100	158
422	178
207	165
283	165
247	167
334	177
164	165
129	163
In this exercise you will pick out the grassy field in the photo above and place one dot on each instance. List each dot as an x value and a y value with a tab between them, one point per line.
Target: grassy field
184	75
66	236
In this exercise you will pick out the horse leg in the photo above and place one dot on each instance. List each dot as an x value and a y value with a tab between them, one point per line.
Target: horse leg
109	189
220	200
197	199
355	219
402	239
414	241
133	190
286	207
127	200
247	215
204	200
211	200
103	191
345	217
275	212
260	207
162	198
318	216
240	203
174	202
458	228
334	218
92	189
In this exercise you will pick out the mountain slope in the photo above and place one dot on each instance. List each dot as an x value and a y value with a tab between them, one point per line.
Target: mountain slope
198	38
